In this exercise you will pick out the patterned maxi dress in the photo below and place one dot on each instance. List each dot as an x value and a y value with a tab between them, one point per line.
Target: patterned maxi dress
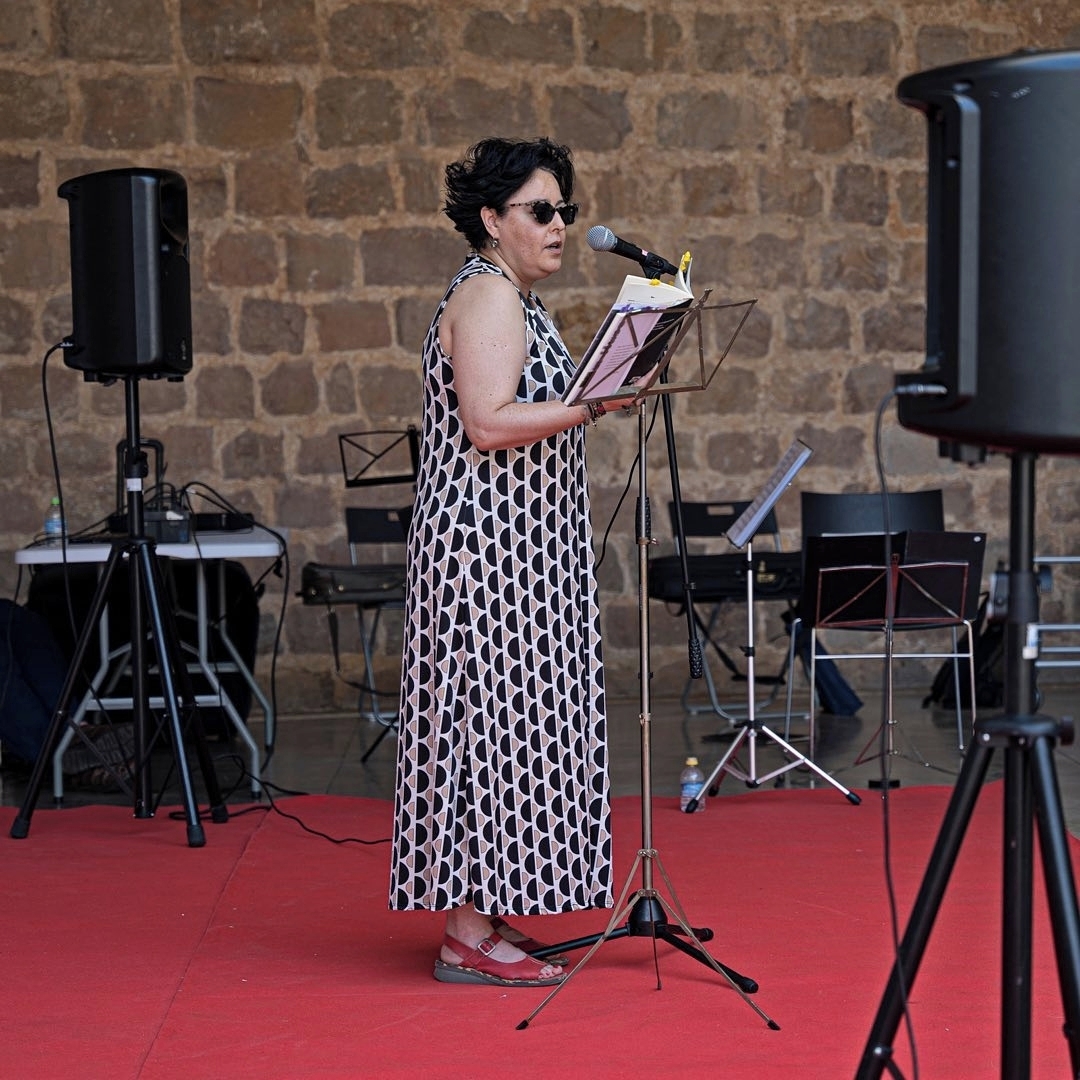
502	785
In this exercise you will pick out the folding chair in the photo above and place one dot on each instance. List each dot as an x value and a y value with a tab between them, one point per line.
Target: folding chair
720	579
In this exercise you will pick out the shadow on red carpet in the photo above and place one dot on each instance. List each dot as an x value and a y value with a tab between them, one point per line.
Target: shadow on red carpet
270	953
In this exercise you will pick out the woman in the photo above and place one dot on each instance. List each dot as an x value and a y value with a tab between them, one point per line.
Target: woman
502	791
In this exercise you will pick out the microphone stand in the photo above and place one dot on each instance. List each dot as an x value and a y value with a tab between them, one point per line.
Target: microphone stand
645	910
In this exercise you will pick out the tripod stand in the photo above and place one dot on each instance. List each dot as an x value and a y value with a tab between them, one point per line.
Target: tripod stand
752	728
1031	792
741	533
146	588
645	910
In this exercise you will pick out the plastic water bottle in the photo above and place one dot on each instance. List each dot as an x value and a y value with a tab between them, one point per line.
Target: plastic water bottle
54	522
691	786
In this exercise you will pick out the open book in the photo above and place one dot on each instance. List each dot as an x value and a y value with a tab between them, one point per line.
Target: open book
625	355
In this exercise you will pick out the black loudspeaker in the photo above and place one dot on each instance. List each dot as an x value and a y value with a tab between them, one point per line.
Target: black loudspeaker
130	276
1003	253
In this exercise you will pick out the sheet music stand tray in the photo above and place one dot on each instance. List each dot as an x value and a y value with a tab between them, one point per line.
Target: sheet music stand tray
751	728
634	357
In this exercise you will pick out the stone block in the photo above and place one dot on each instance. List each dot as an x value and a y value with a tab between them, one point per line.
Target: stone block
159	397
24	29
860	194
249	31
854	263
747	41
911	192
462	111
812	324
270	184
224	392
127	112
421	185
849	47
412	317
271	326
421	256
315	263
16	327
714	190
339	390
349	325
34	255
543	37
242	259
712	121
367	36
615	37
790	190
306	505
895	131
349	191
769	261
133	30
357	112
290	389
895	328
389	394
835	447
318	455
19	179
252	454
865	385
35	106
738	453
821	125
210	326
669	43
234	115
588	116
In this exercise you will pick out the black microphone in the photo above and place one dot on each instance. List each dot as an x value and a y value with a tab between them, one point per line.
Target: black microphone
601	238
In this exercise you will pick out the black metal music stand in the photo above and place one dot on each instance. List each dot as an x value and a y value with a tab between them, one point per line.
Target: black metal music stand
751	728
150	619
645	910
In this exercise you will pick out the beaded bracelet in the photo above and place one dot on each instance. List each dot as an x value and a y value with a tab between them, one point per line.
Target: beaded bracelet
594	410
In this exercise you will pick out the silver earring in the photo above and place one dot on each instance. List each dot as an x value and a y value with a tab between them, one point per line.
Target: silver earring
494	241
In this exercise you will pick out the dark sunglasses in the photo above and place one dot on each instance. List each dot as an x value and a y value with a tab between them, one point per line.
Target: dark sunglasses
544	212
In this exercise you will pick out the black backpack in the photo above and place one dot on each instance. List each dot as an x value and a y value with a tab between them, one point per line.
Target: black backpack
989	669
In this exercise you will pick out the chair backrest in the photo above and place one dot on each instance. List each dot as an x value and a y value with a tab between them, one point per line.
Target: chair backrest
851	513
375	525
712	519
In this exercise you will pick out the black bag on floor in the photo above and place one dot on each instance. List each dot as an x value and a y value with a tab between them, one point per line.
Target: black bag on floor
833	690
989	669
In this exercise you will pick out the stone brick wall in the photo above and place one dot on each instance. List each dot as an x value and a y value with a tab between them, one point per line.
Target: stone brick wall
764	137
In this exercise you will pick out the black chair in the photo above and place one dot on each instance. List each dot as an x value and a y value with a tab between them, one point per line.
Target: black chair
719	578
934	577
374	580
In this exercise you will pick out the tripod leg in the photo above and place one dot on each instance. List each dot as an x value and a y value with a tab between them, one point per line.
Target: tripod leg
1016	940
878	1050
148	590
170	637
1060	890
20	827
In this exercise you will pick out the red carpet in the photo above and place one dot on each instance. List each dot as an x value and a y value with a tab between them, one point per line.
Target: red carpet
270	953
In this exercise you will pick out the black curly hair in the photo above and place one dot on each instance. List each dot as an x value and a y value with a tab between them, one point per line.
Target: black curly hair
492	171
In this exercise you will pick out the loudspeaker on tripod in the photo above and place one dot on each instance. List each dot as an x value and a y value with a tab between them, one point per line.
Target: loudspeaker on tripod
130	276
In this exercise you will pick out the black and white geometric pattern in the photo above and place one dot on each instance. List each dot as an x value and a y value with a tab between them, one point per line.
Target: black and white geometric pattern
502	783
